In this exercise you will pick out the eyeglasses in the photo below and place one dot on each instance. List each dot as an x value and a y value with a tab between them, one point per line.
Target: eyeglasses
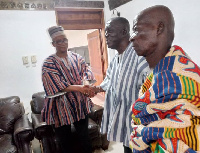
59	42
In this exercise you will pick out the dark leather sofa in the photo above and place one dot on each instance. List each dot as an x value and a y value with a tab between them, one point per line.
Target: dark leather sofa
16	131
45	133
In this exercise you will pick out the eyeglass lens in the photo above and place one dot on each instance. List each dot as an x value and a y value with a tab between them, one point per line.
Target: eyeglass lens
59	42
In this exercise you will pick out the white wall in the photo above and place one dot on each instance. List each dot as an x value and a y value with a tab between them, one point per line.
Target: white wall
23	33
187	20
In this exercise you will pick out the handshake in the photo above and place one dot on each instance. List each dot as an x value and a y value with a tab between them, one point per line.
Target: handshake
90	90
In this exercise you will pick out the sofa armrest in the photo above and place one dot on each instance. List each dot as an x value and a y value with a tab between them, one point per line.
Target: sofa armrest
37	121
23	124
41	129
96	114
23	134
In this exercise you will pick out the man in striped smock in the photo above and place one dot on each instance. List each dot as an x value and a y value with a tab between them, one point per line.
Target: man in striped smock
66	99
124	77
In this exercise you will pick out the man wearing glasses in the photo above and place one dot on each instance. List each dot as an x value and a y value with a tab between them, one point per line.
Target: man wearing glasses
124	76
67	99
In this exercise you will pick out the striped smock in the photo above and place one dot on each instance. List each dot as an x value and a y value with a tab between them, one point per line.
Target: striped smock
122	83
57	74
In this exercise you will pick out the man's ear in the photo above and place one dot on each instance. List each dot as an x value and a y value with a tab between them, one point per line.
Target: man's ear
160	28
53	44
124	32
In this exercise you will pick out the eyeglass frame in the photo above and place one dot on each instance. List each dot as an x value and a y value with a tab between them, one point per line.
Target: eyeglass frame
60	42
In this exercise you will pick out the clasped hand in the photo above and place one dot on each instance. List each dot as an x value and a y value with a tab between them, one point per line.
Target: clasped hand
89	90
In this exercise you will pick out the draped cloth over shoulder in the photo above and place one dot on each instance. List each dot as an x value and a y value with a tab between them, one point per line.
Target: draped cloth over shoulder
166	117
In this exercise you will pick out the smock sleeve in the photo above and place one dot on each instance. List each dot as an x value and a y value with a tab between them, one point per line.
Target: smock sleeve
52	79
104	85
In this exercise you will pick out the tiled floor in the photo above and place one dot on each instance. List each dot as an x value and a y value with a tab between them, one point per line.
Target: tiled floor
114	147
36	146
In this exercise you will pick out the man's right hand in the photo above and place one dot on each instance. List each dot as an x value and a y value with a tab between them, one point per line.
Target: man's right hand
88	90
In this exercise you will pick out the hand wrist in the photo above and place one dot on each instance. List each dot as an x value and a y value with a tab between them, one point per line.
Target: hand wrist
98	89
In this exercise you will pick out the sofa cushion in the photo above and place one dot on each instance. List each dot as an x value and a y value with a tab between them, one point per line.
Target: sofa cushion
6	145
11	99
10	111
37	102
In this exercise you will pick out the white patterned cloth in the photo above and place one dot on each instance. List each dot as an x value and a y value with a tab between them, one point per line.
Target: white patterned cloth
122	83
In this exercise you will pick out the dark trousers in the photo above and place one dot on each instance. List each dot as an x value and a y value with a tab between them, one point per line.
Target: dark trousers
64	135
127	150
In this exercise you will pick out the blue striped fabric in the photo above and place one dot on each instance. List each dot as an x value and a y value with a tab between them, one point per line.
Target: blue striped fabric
122	84
57	74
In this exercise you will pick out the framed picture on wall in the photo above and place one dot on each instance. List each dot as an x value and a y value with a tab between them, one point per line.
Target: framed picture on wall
116	3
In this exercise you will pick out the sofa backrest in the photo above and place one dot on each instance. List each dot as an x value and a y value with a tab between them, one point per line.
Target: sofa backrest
10	111
37	102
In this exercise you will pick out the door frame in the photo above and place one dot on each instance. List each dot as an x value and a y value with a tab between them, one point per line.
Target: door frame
100	26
